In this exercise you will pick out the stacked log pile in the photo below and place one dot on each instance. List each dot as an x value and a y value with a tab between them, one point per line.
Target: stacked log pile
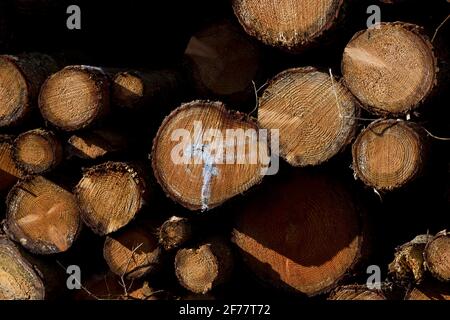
256	159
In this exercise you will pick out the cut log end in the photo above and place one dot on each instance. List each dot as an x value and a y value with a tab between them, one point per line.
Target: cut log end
391	69
151	92
20	79
389	154
14	92
18	280
175	232
96	144
437	256
75	97
315	115
110	195
356	292
41	216
278	23
201	269
132	253
128	89
320	233
37	151
194	167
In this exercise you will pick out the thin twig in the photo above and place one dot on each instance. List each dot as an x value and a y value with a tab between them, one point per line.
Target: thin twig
260	88
439	27
378	194
78	282
339	105
436	137
256	98
335	92
122	277
383	131
131	285
107	286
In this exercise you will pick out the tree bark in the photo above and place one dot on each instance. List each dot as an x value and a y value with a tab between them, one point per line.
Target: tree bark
24	277
110	195
20	79
43	217
315	115
305	232
203	268
408	264
9	171
190	164
18	278
390	154
37	151
75	97
392	69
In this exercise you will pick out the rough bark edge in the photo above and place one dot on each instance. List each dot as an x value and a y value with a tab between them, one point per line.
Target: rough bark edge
353	127
111	166
423	151
32	246
9	140
102	86
406	278
31	269
166	242
233	115
440	234
297	46
47	135
420	32
34	68
356	288
224	258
